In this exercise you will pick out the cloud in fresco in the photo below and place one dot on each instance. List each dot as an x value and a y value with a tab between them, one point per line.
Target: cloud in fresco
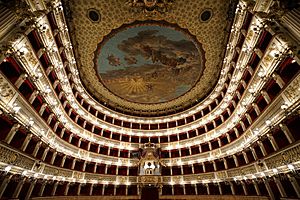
149	42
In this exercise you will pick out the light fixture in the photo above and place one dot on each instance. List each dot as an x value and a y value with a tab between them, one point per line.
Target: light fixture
268	122
7	168
16	108
291	167
284	106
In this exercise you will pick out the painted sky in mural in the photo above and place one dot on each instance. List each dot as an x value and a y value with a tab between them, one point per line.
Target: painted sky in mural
149	63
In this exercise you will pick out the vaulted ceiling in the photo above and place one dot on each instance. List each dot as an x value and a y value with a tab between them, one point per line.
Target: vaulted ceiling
156	83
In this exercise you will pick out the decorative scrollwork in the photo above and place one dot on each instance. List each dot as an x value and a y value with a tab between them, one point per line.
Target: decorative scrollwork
150	6
6	91
7	156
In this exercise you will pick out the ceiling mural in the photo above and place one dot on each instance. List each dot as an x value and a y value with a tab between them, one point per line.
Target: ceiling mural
128	79
149	62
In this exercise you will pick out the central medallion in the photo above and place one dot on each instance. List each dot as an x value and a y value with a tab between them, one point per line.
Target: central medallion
149	62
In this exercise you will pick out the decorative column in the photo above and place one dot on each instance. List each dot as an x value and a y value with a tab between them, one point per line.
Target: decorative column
219	142
84	166
50	118
73	163
214	165
287	133
266	96
67	189
278	80
139	191
244	188
95	169
12	133
91	189
89	145
203	167
53	157
62	132
63	161
193	169
54	188
256	109
262	148
207	189
236	132
42	109
256	188
238	94
33	96
56	82
243	126
42	189
280	187
235	160
245	157
55	126
232	188
273	142
70	137
248	118
79	142
18	189
26	141
228	137
222	118
225	163
28	194
103	189
49	70
254	153
272	197
294	184
45	153
4	184
20	80
78	189
209	145
220	188
258	52
36	149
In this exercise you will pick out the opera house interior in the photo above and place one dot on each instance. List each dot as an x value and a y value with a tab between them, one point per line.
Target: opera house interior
210	109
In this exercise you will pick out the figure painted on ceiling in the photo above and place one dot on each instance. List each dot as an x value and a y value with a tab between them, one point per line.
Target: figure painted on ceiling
113	60
130	60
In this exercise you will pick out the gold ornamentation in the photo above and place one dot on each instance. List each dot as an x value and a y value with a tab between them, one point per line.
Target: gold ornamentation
151	7
292	91
78	175
149	179
89	35
50	170
24	162
6	91
221	175
206	176
8	156
286	157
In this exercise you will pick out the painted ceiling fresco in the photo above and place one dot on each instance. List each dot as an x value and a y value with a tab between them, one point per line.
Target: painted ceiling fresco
149	62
